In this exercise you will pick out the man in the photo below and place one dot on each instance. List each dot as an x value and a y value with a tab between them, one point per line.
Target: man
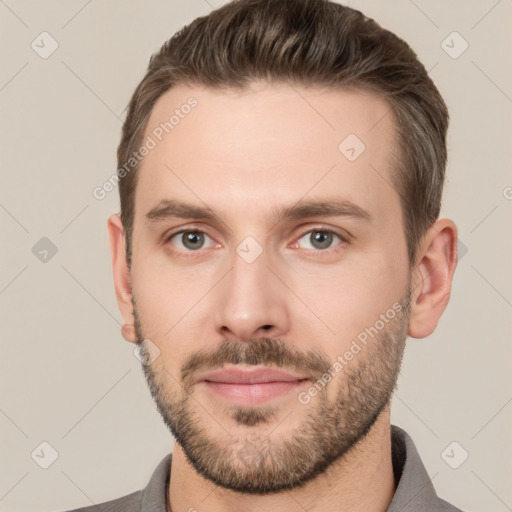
280	172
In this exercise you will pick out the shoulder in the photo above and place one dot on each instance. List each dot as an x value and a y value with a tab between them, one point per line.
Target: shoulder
152	497
129	503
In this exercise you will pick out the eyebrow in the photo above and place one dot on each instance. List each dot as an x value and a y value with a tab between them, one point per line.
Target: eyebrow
170	208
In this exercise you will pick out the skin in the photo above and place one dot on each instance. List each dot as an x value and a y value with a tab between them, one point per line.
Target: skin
243	154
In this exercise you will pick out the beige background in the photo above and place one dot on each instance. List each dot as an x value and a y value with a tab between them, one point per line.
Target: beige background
67	375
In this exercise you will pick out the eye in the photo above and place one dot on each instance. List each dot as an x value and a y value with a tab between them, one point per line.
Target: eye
192	240
321	239
188	240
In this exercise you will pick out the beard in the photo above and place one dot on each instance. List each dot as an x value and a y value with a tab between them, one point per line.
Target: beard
249	461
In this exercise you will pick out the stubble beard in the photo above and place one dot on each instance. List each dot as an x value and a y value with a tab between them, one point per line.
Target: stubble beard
248	460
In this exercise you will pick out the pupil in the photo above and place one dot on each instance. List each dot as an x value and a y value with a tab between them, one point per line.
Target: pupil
322	238
193	239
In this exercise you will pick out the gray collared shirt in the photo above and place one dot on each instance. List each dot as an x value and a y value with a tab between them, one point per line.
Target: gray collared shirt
414	493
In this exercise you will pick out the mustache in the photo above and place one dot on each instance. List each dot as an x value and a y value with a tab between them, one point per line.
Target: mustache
263	351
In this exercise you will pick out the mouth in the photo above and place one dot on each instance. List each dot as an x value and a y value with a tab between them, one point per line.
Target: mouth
251	387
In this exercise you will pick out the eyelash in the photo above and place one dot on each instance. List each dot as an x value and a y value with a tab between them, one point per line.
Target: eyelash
321	229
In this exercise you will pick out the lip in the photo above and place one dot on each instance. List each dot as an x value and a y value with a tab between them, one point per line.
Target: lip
250	387
252	376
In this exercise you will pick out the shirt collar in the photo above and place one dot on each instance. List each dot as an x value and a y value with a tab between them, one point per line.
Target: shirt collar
414	491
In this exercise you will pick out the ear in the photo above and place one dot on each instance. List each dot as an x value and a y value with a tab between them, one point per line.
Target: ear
432	277
121	274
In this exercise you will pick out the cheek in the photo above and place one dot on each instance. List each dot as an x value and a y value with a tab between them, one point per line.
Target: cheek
156	296
171	302
351	298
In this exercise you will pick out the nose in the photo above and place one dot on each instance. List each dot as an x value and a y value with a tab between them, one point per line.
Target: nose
251	301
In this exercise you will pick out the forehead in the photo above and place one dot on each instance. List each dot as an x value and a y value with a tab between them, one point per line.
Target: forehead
267	146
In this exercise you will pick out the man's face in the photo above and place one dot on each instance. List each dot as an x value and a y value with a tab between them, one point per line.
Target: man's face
251	289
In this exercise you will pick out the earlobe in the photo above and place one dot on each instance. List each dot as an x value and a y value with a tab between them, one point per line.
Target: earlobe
128	332
121	274
432	277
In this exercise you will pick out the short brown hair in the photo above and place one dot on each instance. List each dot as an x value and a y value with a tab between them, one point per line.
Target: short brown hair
306	42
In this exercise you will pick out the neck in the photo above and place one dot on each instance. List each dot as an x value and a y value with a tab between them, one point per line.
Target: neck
362	480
